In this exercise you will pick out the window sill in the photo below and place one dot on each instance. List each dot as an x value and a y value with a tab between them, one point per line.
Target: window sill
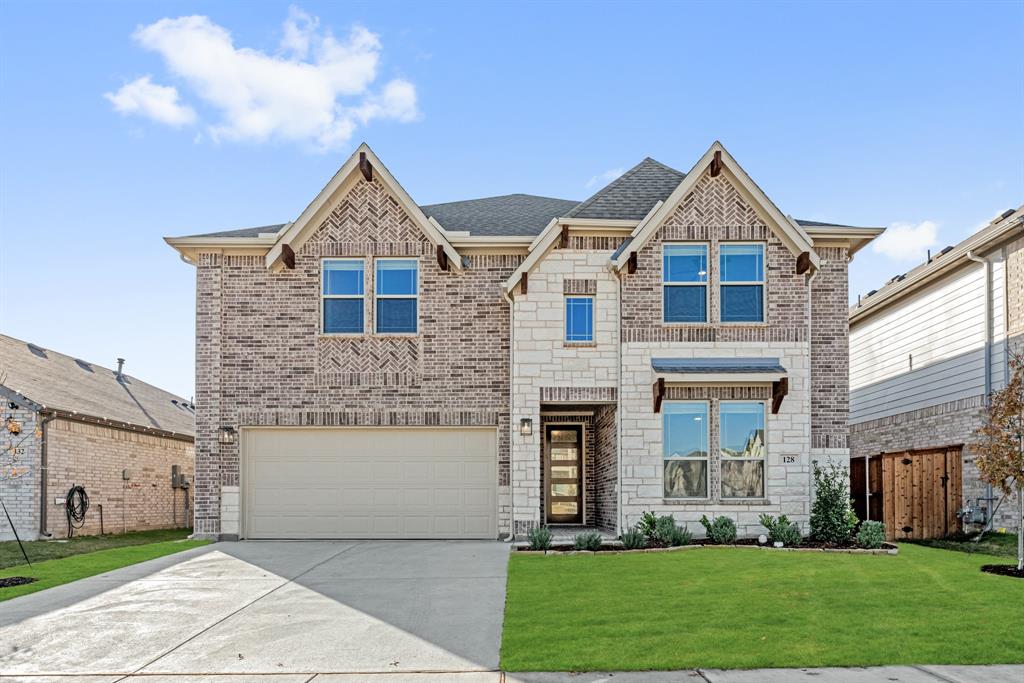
579	344
722	501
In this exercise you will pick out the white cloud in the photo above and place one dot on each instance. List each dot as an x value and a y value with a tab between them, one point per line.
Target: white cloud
907	241
603	179
317	89
158	102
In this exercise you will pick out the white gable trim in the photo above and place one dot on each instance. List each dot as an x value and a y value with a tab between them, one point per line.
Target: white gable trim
544	242
348	175
792	235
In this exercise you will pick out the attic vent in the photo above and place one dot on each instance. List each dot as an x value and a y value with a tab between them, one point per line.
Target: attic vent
82	364
872	292
1006	214
946	250
37	350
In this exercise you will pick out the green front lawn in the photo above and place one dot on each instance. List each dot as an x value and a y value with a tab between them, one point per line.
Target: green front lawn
1004	545
38	551
51	573
748	608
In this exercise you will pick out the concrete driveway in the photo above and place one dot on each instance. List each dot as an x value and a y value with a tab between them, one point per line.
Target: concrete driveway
283	610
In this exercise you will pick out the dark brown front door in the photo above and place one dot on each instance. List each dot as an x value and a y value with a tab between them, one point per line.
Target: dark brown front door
563	472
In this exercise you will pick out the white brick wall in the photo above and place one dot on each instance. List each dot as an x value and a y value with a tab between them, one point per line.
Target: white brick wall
19	475
543	359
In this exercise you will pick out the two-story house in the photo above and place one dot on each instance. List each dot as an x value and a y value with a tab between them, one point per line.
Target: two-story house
926	350
376	368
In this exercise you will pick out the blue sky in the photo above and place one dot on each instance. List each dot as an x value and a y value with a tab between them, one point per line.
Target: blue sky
125	122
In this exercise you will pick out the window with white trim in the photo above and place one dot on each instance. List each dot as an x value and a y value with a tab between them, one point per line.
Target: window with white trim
579	318
397	296
684	273
741	282
742	448
685	448
342	296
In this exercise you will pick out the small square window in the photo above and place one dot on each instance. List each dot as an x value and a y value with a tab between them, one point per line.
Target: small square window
579	319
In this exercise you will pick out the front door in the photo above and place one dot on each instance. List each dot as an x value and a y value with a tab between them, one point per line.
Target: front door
563	471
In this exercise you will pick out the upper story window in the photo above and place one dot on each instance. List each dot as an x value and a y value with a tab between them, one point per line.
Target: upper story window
742	449
741	267
685	449
397	287
343	295
579	318
685	276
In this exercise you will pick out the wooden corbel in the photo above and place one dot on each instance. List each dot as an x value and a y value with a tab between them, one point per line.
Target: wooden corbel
779	390
442	258
524	283
803	263
716	165
287	257
631	263
365	166
659	393
564	243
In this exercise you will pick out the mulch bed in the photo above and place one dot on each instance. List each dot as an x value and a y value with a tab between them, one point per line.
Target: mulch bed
1003	570
15	581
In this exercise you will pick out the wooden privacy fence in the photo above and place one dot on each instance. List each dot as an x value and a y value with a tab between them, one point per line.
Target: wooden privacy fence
916	494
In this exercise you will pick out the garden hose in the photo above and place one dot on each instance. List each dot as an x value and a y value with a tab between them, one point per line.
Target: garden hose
76	504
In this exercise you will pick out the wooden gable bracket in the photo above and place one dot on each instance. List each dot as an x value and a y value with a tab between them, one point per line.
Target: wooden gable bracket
716	165
365	166
524	283
287	257
803	262
564	242
442	258
779	390
631	263
659	393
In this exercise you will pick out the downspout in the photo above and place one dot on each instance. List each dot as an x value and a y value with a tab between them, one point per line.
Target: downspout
43	473
618	418
810	386
988	359
511	389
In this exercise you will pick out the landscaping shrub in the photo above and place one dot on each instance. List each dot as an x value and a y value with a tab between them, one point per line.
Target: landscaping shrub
663	530
588	540
634	539
832	519
648	524
679	536
781	530
539	538
871	534
721	531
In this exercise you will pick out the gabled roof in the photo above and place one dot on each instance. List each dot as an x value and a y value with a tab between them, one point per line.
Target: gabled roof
1007	225
59	382
243	232
296	234
791	234
632	194
507	215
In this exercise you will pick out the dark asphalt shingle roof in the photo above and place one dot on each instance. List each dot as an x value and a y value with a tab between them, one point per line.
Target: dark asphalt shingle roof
632	194
511	214
244	232
719	365
65	383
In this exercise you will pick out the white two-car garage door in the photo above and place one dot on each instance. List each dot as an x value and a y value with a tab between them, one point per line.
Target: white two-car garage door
311	482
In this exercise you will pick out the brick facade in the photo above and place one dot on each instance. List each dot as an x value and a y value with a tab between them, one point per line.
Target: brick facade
19	474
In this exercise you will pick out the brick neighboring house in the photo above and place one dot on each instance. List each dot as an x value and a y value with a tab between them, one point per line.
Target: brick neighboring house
925	351
473	369
67	421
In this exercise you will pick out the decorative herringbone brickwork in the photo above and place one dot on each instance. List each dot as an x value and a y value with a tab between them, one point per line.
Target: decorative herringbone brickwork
715	212
261	359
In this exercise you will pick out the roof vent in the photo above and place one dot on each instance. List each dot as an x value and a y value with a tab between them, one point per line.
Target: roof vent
872	292
1005	214
120	368
37	350
947	249
82	364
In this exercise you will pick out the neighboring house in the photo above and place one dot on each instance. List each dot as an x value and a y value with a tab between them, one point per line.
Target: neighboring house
473	369
69	422
925	351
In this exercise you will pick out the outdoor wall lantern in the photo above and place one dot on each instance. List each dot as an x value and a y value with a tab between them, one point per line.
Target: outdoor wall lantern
526	427
227	436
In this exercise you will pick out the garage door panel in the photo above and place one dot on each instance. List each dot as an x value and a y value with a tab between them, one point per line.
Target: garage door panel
370	483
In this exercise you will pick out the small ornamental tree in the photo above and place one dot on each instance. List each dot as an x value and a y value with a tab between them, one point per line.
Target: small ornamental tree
999	443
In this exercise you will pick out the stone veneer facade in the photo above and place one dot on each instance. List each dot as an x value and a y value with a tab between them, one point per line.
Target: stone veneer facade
262	361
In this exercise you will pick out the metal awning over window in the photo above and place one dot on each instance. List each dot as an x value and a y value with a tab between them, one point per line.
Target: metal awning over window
720	371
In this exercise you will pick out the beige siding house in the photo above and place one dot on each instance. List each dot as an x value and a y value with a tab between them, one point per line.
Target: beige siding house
381	369
69	422
925	351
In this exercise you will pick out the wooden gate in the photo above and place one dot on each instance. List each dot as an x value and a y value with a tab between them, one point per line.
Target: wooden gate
921	493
